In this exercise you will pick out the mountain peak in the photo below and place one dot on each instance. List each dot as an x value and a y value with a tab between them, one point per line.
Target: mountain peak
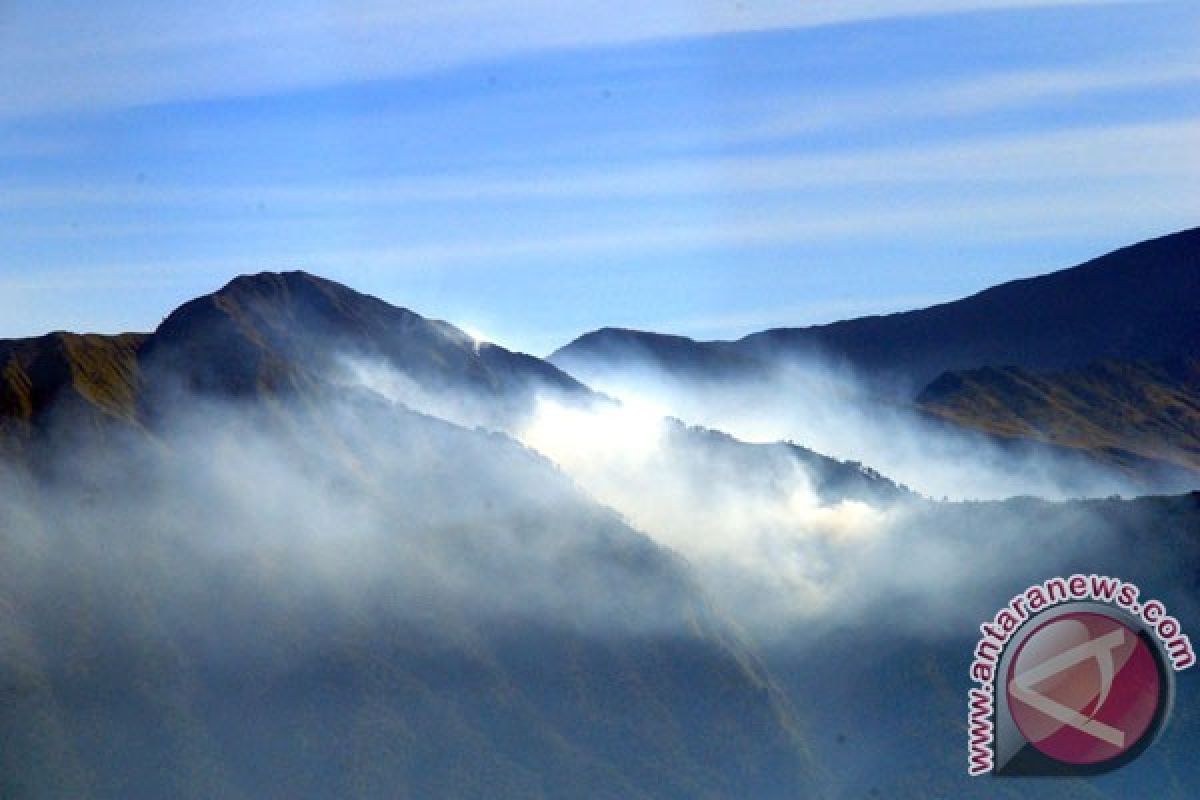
294	286
276	298
273	330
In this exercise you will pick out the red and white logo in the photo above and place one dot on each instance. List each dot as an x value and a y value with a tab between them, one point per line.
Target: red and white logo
1083	688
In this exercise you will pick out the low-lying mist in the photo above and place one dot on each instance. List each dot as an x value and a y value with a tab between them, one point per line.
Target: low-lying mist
774	550
332	595
251	532
428	571
836	412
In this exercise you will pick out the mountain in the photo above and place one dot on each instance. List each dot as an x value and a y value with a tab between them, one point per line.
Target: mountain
271	333
239	575
1139	302
1134	414
292	334
92	378
272	330
621	348
1094	361
231	573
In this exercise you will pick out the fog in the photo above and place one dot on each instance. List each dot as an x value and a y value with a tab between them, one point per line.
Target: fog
257	535
774	552
835	411
298	548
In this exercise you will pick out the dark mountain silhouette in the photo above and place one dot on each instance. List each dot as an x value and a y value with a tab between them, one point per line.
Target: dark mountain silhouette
622	348
1139	302
266	331
272	334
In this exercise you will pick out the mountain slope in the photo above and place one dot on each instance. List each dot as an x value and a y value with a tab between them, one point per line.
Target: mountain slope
349	599
92	379
1077	361
98	371
274	330
1125	413
1139	302
258	581
269	333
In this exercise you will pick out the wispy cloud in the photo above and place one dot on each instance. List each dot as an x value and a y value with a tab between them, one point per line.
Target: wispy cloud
1150	151
765	153
957	98
994	220
68	58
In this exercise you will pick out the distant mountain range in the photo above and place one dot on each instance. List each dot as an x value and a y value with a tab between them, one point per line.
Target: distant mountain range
229	570
1139	302
106	442
1097	358
277	335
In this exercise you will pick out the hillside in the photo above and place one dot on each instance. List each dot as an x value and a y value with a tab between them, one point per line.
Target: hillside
1096	360
267	334
1125	413
325	594
232	573
1139	302
93	378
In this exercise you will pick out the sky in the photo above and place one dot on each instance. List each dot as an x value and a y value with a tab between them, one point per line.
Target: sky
532	169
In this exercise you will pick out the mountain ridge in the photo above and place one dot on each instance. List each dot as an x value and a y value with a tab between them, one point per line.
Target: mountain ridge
266	332
281	334
292	588
274	316
1139	301
1084	334
1118	410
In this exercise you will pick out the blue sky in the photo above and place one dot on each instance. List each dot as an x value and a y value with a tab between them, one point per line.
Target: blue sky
532	170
